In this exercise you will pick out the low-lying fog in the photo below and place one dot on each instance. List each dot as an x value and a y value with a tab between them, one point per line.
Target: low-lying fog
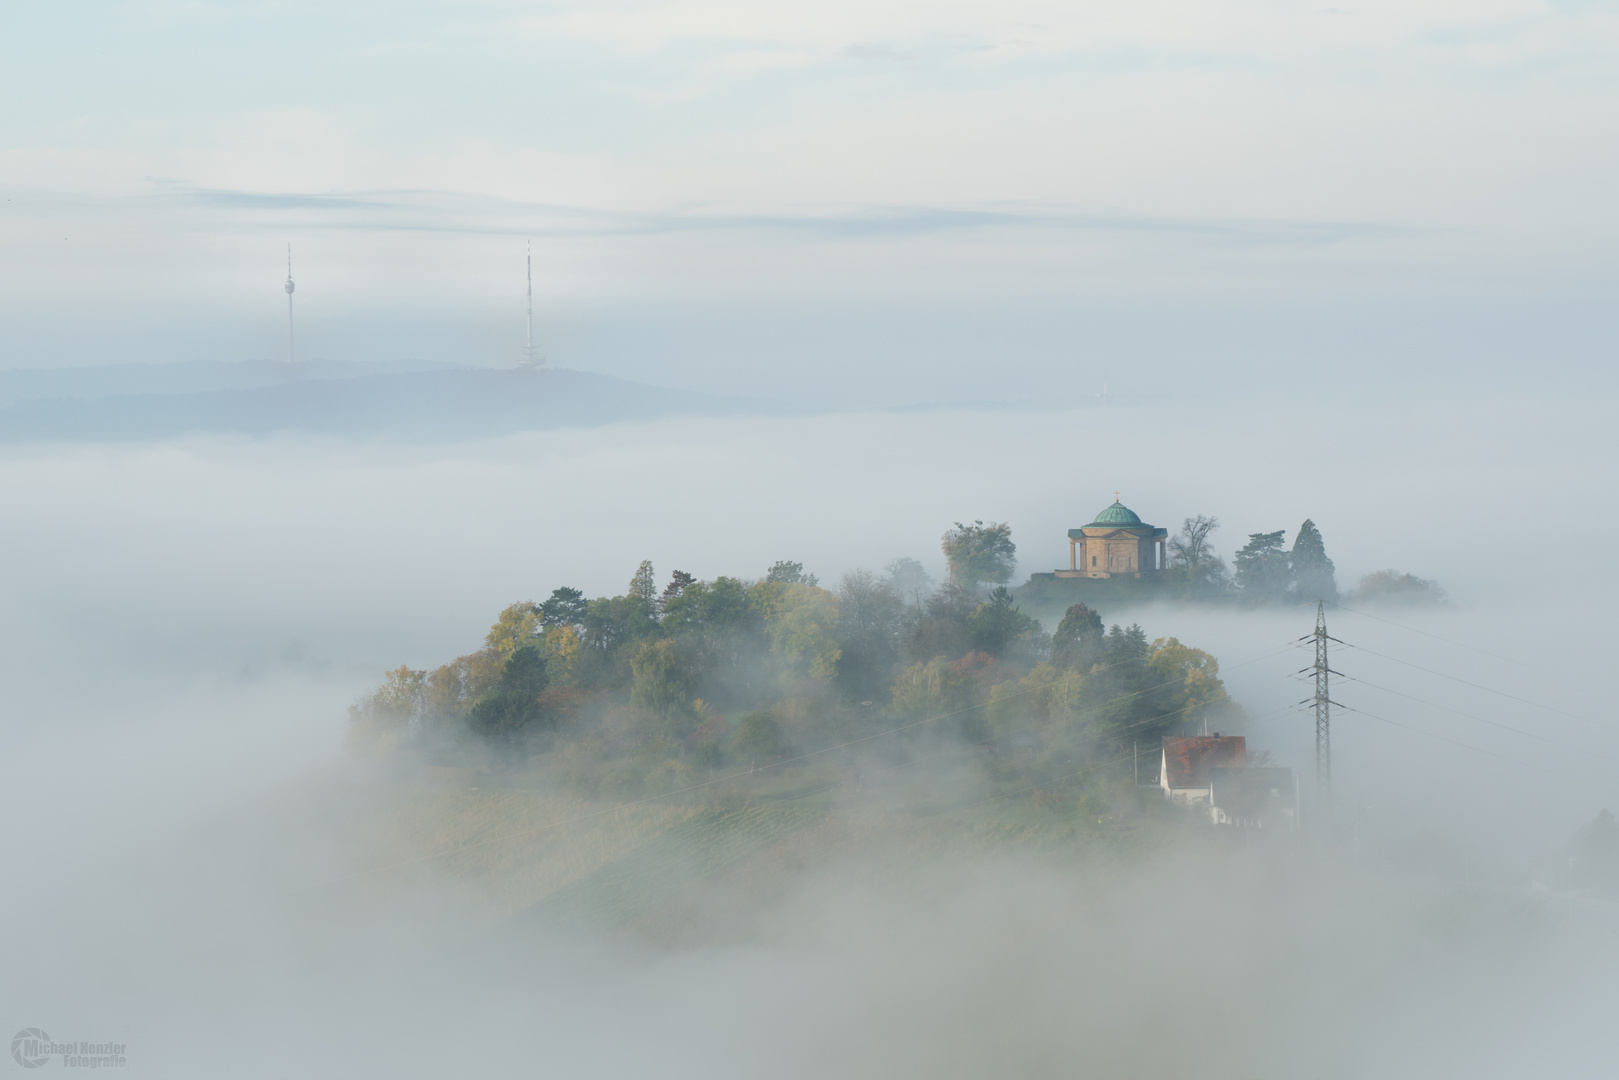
186	623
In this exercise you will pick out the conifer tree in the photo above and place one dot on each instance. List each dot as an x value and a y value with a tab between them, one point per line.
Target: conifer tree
1312	571
644	587
1262	568
1077	644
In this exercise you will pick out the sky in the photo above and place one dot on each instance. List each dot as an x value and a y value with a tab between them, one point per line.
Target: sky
866	202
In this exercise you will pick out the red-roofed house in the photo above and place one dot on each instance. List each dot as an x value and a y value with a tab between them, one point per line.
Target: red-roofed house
1184	770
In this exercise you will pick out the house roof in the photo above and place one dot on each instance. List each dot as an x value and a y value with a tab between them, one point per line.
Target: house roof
1188	759
1117	516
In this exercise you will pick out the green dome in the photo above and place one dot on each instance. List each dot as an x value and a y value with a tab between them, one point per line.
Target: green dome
1117	516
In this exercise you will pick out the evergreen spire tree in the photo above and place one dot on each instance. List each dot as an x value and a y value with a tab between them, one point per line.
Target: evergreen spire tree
1262	568
1077	644
644	587
1312	571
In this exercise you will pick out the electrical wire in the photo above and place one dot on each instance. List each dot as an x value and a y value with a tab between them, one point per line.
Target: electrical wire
1480	686
1436	637
1480	719
1442	738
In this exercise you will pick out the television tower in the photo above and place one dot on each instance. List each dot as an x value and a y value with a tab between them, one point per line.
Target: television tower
530	360
291	355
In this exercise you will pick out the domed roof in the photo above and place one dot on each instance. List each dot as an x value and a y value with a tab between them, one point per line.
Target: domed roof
1117	516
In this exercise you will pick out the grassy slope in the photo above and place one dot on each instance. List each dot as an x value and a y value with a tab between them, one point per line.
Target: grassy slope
671	870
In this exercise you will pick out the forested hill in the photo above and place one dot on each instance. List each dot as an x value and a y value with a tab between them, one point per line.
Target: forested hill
656	690
186	377
436	402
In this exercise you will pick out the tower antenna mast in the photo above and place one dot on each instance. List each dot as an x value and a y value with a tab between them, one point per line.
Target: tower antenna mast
529	359
291	354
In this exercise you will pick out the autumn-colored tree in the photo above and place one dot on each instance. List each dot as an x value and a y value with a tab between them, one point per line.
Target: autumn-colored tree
518	625
382	720
1187	687
562	647
978	553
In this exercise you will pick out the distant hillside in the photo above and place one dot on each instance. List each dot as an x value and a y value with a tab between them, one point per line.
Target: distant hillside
188	377
339	400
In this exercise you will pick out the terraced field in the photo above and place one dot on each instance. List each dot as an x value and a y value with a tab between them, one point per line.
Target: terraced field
669	870
673	869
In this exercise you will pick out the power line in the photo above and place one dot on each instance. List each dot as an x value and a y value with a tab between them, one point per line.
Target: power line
1481	686
1446	640
1453	742
1482	720
1320	630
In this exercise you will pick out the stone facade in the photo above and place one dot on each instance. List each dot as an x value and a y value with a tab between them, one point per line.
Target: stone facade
1116	544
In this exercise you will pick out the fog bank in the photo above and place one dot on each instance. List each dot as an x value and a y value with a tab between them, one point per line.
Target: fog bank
203	876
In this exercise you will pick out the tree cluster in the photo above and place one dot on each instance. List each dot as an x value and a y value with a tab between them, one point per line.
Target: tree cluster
1267	571
645	690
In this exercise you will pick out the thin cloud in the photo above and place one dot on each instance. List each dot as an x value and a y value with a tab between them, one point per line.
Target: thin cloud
437	211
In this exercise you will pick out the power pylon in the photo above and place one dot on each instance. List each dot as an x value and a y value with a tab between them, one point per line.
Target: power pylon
1323	713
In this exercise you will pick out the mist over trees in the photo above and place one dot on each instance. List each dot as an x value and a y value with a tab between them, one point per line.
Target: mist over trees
675	678
1268	572
1393	587
646	690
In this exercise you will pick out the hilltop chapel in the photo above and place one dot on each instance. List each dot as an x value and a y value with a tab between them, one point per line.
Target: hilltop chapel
1116	544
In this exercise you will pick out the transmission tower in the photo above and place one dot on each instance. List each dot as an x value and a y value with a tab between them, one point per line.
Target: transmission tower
292	356
1323	714
531	356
